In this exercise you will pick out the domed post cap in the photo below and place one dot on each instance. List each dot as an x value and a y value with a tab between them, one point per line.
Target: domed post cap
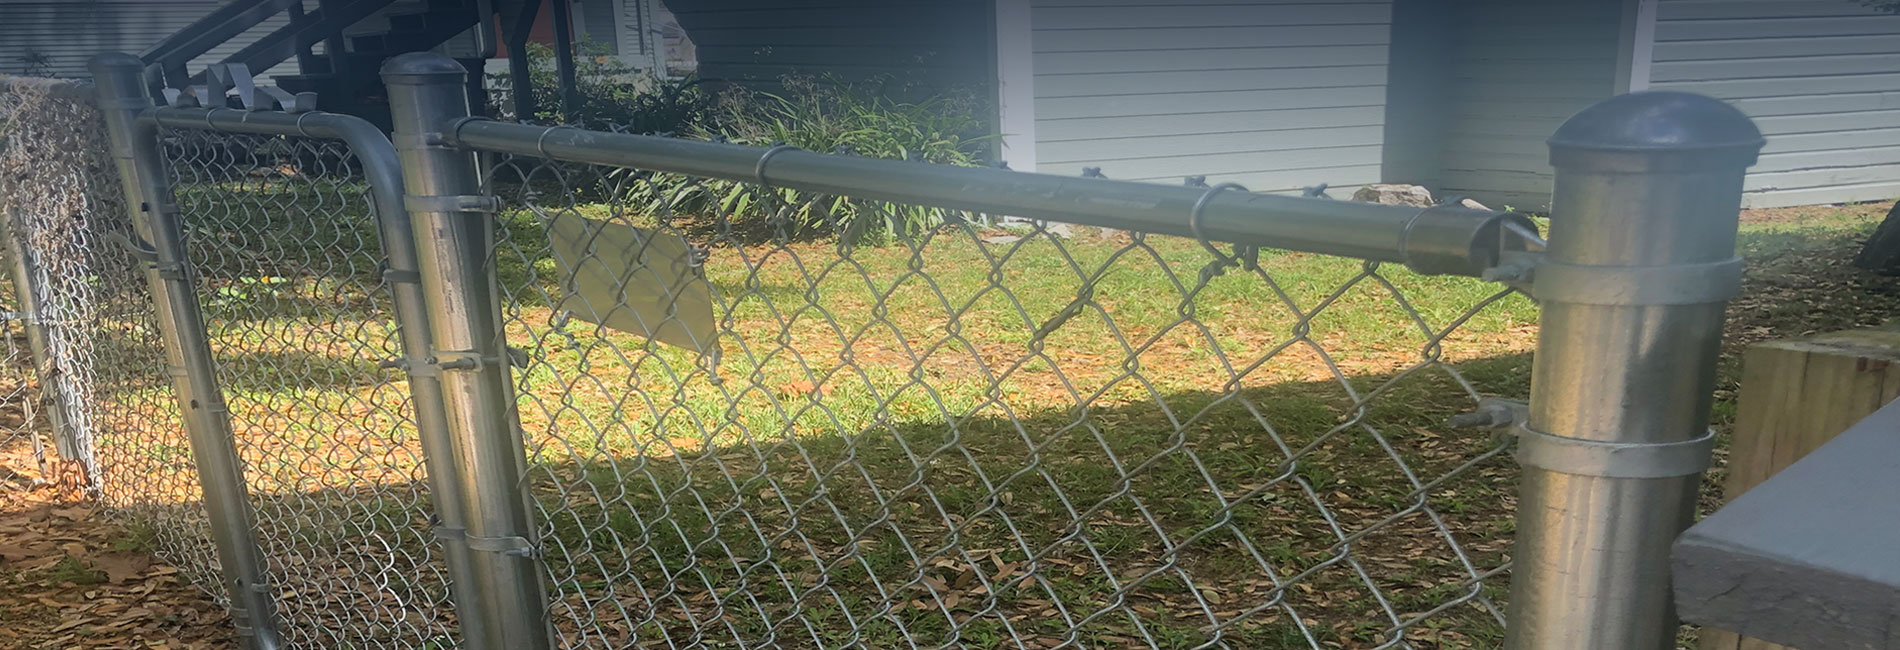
1656	131
421	67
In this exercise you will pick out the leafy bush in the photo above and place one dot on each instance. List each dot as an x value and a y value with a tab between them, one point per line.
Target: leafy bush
876	118
609	95
827	114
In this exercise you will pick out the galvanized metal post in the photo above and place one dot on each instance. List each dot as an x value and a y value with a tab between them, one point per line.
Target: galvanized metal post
455	235
28	310
148	197
1640	265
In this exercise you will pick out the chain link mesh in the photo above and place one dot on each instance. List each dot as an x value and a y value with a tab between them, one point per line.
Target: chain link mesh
899	428
284	239
828	423
106	357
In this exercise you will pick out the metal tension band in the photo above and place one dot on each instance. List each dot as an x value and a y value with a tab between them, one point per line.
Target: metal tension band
399	276
420	141
509	546
464	360
1613	459
460	203
1678	284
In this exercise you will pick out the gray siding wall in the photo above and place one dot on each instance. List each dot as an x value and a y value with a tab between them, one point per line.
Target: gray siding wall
1273	94
1821	78
1519	68
69	32
932	42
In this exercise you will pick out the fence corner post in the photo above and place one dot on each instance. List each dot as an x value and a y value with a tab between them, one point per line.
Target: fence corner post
154	216
1639	270
455	234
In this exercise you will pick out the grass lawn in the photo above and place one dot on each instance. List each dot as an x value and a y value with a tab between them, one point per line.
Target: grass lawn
983	438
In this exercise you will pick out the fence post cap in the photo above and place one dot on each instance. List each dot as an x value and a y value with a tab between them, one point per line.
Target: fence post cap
106	61
1662	129
417	67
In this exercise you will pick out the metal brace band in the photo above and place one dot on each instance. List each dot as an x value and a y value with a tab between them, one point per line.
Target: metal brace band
458	203
172	271
398	276
420	141
462	360
1614	459
472	360
509	546
1678	284
420	368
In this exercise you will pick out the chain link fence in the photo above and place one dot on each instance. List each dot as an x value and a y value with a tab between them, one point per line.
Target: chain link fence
790	400
840	422
283	237
769	418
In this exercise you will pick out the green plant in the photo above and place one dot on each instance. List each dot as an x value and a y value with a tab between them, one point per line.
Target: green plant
827	114
608	94
76	571
135	538
862	117
35	64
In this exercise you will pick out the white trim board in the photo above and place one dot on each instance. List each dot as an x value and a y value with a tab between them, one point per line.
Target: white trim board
1016	84
1638	47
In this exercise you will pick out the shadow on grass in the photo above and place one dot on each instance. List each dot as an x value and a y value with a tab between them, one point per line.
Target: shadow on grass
1277	516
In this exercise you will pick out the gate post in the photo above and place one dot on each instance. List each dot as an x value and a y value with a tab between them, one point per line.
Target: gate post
30	311
154	216
1640	266
455	233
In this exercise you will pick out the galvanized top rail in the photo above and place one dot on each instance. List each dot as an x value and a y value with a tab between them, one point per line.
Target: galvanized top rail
371	147
1436	240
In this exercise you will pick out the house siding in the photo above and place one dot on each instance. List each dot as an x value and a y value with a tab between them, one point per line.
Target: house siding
1274	95
1518	70
69	33
1820	77
941	43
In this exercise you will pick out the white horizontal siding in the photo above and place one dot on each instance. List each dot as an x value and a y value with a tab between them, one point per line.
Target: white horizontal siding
69	33
1821	78
1275	95
1519	69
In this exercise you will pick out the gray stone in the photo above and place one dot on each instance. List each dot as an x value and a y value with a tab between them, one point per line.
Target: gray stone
1393	194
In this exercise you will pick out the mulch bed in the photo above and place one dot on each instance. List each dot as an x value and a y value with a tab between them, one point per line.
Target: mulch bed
71	578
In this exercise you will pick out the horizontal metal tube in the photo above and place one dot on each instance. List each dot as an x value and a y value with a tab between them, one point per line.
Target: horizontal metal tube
1445	239
380	169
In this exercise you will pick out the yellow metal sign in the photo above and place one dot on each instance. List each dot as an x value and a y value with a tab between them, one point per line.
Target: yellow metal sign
634	280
